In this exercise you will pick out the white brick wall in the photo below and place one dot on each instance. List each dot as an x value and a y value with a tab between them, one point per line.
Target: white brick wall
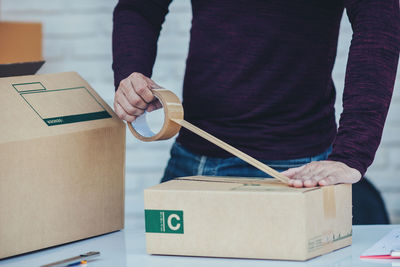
77	36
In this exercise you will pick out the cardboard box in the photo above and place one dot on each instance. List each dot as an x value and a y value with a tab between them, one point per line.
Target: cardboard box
62	156
20	48
246	218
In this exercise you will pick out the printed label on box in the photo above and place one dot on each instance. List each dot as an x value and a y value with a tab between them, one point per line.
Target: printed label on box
164	221
61	106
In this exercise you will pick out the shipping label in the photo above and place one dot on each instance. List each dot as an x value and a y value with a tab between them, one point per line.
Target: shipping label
164	221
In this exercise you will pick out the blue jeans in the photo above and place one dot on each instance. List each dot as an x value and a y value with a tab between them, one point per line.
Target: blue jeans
185	163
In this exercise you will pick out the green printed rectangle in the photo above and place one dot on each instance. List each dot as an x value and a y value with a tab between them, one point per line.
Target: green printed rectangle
77	118
29	87
164	221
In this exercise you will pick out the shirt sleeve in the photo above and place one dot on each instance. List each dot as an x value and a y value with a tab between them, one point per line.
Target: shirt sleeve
136	28
370	76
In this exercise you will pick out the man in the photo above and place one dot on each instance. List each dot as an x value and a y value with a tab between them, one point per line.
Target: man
258	76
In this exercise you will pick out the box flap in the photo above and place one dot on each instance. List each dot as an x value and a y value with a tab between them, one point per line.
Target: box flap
240	184
19	69
20	42
50	104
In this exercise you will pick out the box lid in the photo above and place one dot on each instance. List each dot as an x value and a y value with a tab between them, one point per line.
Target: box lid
50	104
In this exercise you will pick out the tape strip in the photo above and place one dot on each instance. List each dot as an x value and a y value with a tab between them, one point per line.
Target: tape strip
173	121
329	201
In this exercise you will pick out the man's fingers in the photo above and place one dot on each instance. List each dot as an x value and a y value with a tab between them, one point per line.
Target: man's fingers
315	174
292	171
306	176
137	90
152	83
156	104
309	170
122	114
310	182
127	106
133	98
141	86
330	180
322	173
297	183
313	170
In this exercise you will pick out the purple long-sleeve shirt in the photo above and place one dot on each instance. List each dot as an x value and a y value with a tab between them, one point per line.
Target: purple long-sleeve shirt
258	73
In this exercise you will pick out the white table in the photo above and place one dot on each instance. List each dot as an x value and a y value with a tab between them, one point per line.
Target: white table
127	248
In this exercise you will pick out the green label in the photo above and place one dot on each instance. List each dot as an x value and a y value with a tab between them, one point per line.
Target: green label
77	118
27	89
164	221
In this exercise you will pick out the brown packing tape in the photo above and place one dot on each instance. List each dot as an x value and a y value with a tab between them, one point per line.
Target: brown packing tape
329	201
173	121
232	180
325	243
172	110
248	182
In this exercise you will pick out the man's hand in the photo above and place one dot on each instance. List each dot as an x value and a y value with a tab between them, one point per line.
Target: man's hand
322	173
134	97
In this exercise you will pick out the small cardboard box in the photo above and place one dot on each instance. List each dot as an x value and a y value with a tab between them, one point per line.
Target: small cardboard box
246	218
20	48
62	156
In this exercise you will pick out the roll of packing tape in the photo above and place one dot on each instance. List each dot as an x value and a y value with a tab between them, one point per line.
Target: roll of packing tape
173	110
173	121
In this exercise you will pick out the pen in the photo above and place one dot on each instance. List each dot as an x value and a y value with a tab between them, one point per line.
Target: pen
77	263
74	261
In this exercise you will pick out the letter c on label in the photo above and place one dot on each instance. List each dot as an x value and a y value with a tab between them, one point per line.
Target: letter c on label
173	227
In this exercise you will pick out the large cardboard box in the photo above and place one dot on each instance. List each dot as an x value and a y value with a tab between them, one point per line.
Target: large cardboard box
246	218
20	48
62	156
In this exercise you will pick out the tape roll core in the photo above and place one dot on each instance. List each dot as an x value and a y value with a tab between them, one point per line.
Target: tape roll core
172	110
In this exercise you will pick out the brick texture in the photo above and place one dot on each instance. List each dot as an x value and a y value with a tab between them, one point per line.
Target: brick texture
77	36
